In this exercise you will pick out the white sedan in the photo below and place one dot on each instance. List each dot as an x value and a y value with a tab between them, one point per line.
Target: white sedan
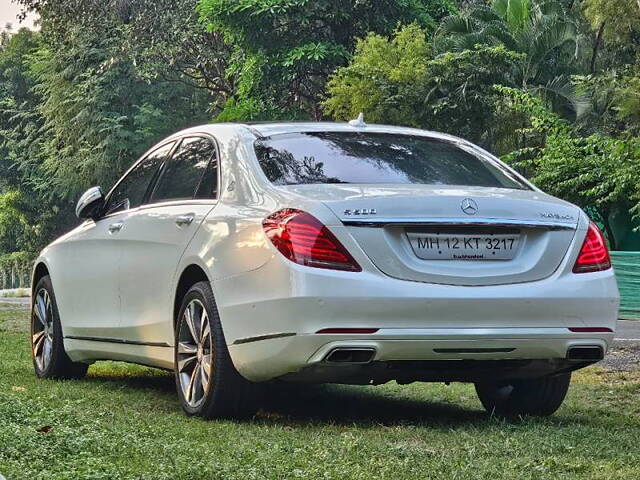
237	254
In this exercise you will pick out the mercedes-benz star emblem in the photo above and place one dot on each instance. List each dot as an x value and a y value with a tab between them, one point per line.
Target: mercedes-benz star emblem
469	206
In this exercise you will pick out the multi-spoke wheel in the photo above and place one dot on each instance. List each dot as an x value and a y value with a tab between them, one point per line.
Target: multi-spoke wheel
49	358
42	329
194	353
207	382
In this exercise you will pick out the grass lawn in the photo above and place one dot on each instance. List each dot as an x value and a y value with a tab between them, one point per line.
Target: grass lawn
124	421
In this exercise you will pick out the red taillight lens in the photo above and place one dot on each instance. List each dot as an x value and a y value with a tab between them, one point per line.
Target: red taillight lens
594	255
301	238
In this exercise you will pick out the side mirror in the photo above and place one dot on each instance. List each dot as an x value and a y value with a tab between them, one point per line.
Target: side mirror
90	203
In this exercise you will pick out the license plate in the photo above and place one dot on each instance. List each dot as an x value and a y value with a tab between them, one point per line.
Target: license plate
448	246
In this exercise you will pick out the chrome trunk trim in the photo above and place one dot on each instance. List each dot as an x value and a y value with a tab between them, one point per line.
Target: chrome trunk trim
493	222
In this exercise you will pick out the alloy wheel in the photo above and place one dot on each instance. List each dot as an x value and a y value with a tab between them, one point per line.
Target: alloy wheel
42	329
195	359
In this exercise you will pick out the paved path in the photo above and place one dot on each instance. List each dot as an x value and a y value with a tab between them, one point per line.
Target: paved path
16	300
628	330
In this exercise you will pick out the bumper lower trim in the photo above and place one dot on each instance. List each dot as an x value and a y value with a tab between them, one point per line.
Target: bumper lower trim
258	338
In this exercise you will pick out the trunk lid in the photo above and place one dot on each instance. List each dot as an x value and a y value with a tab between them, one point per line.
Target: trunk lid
391	222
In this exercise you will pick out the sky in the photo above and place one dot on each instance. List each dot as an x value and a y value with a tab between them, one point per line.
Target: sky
8	14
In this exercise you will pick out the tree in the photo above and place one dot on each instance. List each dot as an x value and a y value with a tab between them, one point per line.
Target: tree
596	172
541	30
29	218
397	81
98	109
383	79
19	119
77	107
163	38
13	222
616	19
286	49
627	100
615	102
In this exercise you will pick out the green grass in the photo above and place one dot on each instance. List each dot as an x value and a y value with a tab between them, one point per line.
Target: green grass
124	421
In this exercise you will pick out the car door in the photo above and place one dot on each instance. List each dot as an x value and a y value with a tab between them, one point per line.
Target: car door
89	285
157	234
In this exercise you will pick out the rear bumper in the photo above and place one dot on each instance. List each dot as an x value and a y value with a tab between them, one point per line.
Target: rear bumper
270	317
266	359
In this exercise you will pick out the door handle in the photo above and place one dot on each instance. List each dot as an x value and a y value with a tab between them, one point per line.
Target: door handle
184	220
116	227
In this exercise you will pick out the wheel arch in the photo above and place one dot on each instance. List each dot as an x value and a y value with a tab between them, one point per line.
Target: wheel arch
39	270
191	275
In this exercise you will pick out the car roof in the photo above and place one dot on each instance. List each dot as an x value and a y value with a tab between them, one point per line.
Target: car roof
268	129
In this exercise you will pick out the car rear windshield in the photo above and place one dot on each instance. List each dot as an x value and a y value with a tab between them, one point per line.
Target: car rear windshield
354	157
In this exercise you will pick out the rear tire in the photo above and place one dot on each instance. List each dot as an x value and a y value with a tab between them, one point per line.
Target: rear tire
47	341
539	397
208	384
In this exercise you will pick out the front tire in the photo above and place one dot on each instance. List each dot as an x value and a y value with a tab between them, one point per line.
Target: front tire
47	346
208	384
539	397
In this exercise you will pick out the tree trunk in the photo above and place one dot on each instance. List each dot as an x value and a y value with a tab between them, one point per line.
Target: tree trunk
609	232
596	46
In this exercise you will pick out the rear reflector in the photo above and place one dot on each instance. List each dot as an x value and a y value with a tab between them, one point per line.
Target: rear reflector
348	330
590	330
594	255
303	239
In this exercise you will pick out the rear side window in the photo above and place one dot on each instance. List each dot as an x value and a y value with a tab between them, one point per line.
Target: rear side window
191	172
354	157
132	190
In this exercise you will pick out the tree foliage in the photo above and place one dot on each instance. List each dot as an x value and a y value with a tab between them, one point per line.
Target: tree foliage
542	30
619	19
595	172
553	85
398	81
290	47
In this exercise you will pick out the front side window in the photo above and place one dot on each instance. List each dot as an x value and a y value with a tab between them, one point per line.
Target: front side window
355	157
191	172
131	191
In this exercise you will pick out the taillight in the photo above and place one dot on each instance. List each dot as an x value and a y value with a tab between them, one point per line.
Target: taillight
301	238
594	255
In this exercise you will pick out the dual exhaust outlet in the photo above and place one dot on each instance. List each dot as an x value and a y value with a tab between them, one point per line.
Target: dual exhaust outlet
363	355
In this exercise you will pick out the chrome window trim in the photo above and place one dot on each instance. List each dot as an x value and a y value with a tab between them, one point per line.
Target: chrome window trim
172	203
494	222
143	157
177	140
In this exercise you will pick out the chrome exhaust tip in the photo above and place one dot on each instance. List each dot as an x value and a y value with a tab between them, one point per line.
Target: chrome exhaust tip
351	356
589	353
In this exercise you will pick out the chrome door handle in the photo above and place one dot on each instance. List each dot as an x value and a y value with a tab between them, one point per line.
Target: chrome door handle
116	227
183	220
